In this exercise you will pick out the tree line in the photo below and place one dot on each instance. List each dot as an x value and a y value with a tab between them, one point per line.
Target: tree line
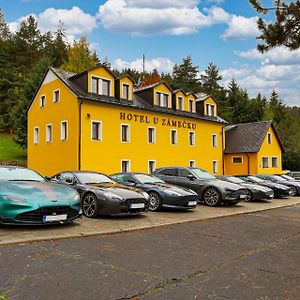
26	54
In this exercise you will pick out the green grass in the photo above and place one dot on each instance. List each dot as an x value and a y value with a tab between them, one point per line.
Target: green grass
9	150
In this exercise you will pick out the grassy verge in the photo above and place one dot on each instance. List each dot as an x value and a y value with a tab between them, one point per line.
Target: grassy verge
9	150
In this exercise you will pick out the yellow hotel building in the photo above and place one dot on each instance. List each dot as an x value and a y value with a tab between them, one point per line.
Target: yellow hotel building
95	121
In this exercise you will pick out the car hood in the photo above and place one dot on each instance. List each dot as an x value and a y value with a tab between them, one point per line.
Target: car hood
182	190
118	189
38	192
256	187
224	184
275	185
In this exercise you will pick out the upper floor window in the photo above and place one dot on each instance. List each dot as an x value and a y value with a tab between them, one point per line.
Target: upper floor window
125	166
174	137
269	138
96	130
64	131
180	103
125	133
214	140
151	166
215	167
125	93
48	133
151	135
56	95
210	110
191	105
43	101
162	99
101	86
265	162
192	138
274	162
36	135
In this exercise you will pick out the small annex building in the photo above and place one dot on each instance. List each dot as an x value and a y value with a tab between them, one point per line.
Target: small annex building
252	148
99	122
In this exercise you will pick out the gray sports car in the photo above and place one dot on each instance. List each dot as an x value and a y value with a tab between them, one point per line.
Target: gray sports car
209	189
100	195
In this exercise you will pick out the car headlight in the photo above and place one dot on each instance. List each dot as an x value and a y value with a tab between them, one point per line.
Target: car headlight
172	193
146	195
77	198
112	196
15	199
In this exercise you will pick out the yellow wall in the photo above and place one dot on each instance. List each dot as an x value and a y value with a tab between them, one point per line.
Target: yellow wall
162	88
270	150
126	80
248	166
106	155
49	158
102	73
210	101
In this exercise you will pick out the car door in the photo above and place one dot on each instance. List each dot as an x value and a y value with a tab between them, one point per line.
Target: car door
168	175
187	179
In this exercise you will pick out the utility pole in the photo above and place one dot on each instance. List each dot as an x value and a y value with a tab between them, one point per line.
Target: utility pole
144	64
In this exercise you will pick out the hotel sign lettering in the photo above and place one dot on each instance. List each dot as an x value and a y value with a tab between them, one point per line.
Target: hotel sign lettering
155	120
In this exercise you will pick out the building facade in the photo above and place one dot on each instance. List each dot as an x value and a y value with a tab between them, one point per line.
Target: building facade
95	121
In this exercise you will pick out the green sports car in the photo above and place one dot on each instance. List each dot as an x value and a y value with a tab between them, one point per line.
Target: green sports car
27	198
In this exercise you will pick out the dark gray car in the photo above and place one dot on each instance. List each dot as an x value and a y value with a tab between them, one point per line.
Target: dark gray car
209	189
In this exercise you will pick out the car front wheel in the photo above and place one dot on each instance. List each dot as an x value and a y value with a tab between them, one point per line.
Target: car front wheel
249	196
212	197
293	191
90	206
154	201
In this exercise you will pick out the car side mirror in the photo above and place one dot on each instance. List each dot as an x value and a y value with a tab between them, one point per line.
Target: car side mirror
70	181
191	177
131	182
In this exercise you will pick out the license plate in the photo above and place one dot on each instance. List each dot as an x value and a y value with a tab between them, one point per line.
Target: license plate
243	196
192	203
137	205
54	218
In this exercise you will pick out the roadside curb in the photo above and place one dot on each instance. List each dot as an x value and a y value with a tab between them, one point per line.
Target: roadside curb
136	227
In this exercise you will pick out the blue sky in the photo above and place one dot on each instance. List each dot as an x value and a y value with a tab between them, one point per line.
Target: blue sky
166	31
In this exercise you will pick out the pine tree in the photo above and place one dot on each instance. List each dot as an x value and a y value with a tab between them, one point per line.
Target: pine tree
4	30
210	80
185	76
286	28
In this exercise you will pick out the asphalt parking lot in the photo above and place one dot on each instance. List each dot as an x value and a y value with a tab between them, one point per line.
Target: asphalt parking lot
248	256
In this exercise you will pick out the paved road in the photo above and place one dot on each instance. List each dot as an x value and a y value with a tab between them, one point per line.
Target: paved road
255	256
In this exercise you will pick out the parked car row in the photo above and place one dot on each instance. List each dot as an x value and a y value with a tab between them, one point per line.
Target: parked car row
26	197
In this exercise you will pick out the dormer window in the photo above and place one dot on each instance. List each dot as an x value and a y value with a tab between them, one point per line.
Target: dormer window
180	103
162	99
125	93
191	105
101	86
210	110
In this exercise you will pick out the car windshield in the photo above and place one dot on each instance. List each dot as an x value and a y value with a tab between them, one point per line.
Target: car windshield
200	173
144	178
279	178
19	174
288	177
93	178
234	179
256	179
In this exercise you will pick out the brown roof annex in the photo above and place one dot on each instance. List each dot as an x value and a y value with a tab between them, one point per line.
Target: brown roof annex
248	137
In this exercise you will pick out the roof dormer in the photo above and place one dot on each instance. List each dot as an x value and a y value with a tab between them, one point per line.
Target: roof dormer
178	100
191	102
124	88
207	105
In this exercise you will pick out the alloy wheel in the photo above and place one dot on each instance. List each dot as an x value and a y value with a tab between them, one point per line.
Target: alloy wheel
154	201
212	197
89	206
248	195
293	191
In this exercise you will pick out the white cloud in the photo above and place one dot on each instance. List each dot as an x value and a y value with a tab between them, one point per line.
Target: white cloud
145	17
75	21
215	1
278	56
162	64
240	27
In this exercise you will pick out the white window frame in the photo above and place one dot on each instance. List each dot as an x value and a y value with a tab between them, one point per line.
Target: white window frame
242	159
277	161
270	138
36	135
268	162
154	135
176	137
100	90
182	103
212	110
192	133
99	138
41	104
191	101
128	133
128	85
214	140
192	163
62	132
154	165
54	92
215	167
49	135
129	165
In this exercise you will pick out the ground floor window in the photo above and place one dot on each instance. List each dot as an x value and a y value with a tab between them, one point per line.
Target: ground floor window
125	133
237	159
96	130
192	164
265	162
36	136
49	133
274	162
151	166
215	166
125	165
